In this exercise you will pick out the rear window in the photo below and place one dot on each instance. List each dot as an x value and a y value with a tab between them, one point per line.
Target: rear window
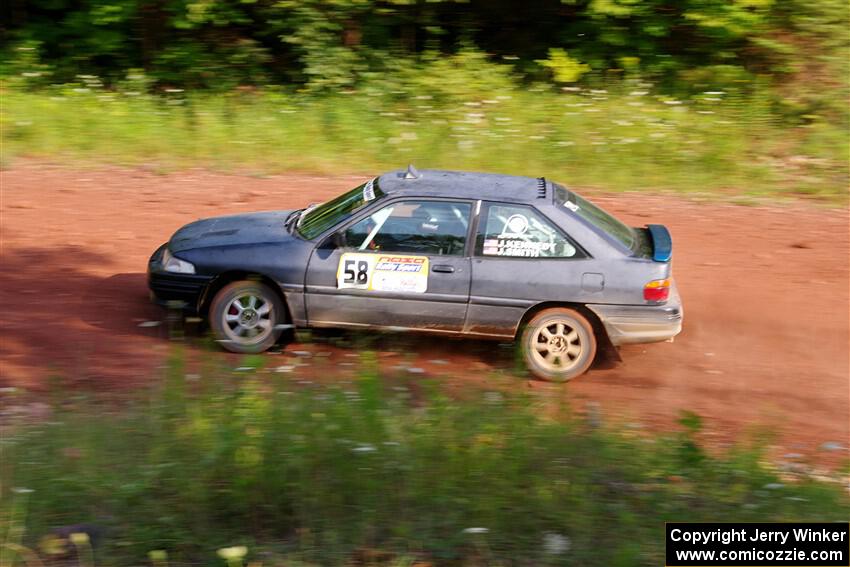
595	216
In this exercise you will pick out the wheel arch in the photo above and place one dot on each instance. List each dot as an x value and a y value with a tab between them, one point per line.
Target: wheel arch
231	276
598	328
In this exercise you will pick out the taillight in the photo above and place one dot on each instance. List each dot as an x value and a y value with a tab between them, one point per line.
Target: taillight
657	290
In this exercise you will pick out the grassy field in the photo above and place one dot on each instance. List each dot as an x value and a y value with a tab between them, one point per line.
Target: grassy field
382	470
624	139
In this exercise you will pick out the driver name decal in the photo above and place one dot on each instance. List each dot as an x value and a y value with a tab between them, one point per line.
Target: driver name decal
515	241
516	248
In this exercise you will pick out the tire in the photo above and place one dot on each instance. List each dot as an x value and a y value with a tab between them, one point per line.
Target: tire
245	316
558	344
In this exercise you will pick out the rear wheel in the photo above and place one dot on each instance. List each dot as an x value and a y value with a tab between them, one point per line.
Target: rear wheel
246	316
558	344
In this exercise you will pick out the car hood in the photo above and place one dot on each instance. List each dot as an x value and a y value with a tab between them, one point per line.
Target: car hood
250	228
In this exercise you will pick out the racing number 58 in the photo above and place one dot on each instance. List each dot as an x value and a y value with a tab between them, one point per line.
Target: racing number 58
354	271
358	277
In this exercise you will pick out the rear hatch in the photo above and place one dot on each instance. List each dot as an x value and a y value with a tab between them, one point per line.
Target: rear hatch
652	242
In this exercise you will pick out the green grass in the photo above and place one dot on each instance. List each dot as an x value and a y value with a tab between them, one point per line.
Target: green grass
625	139
299	471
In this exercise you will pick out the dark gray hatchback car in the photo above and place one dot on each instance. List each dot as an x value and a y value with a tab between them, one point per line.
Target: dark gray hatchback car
468	254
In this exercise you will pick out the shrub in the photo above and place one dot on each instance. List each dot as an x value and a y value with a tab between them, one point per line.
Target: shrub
321	472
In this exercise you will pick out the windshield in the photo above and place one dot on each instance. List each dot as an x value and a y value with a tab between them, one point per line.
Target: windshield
315	221
595	216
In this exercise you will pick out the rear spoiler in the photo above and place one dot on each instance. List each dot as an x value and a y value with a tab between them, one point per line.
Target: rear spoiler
662	244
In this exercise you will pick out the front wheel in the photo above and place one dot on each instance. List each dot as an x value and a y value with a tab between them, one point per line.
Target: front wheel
558	344
246	316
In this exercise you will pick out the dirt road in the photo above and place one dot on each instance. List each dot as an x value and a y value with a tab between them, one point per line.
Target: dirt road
765	343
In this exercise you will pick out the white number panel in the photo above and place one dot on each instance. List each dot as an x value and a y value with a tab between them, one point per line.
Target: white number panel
355	271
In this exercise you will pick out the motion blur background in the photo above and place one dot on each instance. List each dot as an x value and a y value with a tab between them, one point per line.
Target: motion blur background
748	96
128	437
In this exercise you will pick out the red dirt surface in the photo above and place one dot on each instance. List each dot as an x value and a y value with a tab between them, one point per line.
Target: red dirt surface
765	344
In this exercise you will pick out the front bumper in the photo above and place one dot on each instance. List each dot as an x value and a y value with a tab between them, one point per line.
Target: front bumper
181	291
630	324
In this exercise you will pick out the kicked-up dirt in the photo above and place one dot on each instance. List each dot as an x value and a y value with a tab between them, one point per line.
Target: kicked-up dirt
765	288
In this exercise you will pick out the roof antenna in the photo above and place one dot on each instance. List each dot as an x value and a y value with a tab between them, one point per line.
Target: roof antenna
411	173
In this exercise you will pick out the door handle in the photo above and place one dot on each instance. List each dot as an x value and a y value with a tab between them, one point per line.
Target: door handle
442	268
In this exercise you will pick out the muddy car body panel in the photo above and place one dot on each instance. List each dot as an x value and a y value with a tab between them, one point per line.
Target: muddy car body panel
437	251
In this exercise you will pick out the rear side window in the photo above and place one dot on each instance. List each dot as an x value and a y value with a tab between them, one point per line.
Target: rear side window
517	231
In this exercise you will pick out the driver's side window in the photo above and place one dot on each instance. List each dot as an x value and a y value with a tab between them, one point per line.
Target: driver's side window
436	228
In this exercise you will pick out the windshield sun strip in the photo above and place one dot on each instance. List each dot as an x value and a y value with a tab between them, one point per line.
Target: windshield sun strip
314	221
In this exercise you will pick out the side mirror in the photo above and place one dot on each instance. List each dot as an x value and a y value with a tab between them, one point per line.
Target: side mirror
334	241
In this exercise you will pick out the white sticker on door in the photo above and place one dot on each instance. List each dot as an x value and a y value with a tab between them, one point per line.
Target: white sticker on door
517	248
355	271
401	273
383	272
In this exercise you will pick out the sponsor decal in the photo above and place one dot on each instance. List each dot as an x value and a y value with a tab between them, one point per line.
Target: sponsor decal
516	225
401	274
369	191
383	272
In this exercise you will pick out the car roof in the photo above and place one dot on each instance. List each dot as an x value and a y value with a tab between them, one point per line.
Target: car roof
463	185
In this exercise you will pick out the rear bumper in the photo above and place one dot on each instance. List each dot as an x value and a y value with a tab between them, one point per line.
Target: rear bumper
630	324
179	291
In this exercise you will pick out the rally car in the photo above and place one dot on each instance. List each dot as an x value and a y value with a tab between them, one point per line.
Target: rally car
455	253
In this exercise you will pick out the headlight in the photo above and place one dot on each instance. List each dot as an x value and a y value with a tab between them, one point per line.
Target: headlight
175	265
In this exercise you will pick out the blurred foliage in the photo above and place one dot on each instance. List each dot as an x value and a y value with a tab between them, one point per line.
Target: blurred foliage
456	112
564	68
743	95
380	467
333	44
